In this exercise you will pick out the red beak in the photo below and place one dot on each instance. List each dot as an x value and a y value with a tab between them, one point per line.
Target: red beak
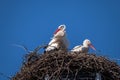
92	47
56	31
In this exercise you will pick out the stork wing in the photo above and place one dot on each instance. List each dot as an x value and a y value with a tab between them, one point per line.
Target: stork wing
52	41
52	47
76	47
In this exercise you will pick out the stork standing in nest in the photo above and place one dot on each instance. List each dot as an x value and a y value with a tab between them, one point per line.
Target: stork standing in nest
83	48
59	40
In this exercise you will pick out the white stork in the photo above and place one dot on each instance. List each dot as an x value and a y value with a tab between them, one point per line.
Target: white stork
83	48
59	39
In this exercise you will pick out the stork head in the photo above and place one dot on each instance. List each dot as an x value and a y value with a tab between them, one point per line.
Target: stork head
87	42
61	27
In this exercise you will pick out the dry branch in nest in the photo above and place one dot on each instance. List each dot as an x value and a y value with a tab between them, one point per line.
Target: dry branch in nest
68	65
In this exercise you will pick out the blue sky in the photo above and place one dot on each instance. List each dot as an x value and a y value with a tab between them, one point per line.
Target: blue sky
32	23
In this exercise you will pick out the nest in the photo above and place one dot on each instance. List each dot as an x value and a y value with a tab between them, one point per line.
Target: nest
68	65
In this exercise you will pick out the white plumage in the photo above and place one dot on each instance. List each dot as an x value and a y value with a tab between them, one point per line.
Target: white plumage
59	39
83	48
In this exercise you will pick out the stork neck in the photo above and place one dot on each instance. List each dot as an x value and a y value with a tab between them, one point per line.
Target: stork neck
85	45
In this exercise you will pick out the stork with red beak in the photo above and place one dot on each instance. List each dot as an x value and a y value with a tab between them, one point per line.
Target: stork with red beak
83	48
59	39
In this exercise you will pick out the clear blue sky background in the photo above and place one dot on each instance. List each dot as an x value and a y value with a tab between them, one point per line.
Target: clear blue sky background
32	23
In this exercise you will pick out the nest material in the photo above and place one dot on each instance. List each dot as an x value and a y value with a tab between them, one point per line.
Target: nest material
58	64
